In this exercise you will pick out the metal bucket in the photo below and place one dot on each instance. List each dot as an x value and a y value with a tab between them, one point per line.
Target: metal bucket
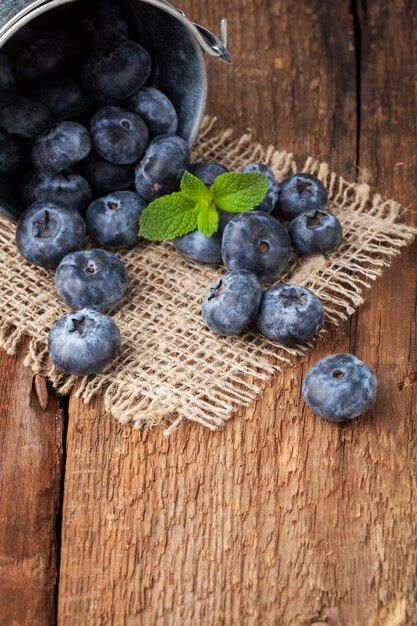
175	44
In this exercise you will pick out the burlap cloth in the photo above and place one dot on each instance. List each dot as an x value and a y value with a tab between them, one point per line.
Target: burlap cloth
171	368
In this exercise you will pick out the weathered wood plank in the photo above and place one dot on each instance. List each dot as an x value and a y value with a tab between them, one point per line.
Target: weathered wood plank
30	489
279	518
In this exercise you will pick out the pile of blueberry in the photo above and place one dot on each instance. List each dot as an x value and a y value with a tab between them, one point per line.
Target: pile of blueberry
90	144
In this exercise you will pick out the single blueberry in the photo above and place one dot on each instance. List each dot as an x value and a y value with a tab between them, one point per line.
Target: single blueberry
232	303
119	135
300	193
7	79
64	97
257	242
340	387
315	231
268	203
113	76
290	314
207	171
67	187
156	109
83	342
44	59
106	176
46	232
94	279
60	147
113	221
14	153
198	247
162	167
103	24
23	117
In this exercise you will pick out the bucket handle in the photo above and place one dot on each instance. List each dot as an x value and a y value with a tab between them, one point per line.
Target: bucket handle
211	44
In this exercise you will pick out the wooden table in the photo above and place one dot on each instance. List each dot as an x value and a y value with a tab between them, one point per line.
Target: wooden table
279	518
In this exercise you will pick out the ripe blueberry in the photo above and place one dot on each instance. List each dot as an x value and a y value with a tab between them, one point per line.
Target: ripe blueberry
232	303
113	76
113	221
83	342
67	187
315	231
104	175
60	147
46	232
119	135
23	117
94	279
290	314
14	153
300	193
155	109
257	242
64	97
162	167
198	247
340	387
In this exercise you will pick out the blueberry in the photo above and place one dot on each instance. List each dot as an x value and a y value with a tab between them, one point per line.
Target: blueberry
106	176
7	79
103	24
300	193
94	279
340	387
232	303
64	97
315	231
256	242
14	153
290	314
60	147
113	221
155	109
83	342
67	187
113	76
162	167
44	59
119	135
198	247
207	171
23	117
46	232
268	203
71	40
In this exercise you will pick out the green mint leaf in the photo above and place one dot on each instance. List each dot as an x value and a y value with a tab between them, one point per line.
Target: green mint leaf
241	192
168	217
194	188
207	219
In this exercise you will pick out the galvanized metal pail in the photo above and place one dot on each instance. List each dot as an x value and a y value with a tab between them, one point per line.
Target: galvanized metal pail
175	44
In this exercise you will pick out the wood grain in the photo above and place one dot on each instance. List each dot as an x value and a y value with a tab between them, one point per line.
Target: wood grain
30	488
279	518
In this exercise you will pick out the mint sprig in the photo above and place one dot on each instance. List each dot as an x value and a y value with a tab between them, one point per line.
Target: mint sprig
196	206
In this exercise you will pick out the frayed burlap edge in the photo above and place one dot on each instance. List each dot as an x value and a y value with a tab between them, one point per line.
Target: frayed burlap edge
171	367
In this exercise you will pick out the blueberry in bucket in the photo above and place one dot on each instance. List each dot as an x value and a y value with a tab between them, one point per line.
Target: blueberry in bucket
67	187
119	135
46	232
60	147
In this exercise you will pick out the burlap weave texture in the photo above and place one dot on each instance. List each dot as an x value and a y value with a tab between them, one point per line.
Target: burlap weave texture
171	368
